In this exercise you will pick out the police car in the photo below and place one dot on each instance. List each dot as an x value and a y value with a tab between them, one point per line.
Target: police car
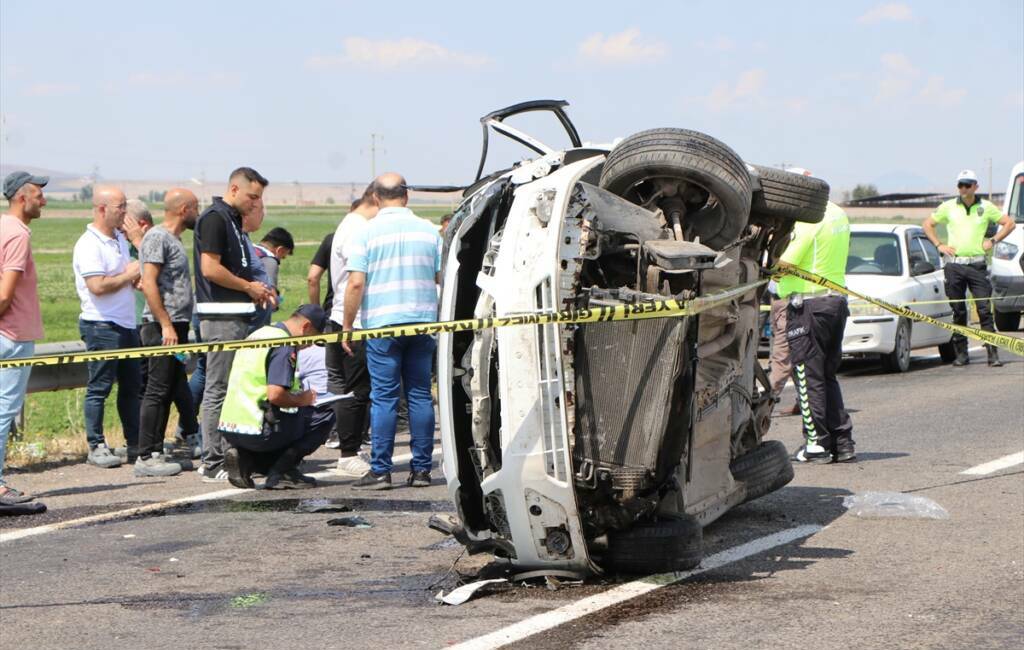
900	265
1007	272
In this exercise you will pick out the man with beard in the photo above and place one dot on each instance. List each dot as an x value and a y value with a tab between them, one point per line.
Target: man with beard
167	284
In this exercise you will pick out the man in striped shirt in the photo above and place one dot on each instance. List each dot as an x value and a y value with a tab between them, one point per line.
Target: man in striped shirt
394	265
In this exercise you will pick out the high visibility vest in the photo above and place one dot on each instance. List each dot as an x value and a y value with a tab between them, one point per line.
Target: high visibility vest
247	386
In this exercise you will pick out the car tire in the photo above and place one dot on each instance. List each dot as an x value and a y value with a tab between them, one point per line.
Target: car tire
691	156
947	352
785	195
899	359
763	470
668	543
1007	321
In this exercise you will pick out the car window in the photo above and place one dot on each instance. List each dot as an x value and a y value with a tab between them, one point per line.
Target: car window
874	253
1016	203
930	252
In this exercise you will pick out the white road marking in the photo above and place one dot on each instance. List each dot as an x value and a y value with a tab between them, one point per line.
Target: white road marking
157	507
996	465
628	591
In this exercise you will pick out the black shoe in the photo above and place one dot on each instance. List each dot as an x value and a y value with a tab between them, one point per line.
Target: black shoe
296	476
371	481
418	479
961	361
993	356
822	457
277	481
239	470
847	456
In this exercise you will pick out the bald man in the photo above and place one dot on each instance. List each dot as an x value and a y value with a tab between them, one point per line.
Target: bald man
104	277
167	285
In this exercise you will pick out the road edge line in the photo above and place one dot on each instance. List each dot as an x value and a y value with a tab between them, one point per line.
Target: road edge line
993	466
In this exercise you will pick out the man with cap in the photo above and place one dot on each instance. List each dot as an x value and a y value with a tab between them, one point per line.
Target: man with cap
21	323
266	417
967	218
815	320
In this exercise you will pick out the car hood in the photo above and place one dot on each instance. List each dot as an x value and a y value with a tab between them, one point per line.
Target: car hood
876	286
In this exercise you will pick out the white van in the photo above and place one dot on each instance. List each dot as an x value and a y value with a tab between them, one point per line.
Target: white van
1007	272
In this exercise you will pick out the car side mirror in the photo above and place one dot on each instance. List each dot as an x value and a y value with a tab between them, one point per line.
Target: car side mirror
921	267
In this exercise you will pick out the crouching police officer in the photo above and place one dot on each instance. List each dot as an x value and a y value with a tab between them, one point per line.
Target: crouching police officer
967	218
815	320
265	417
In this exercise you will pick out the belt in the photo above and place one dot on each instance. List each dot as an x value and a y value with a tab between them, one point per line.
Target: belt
816	294
967	260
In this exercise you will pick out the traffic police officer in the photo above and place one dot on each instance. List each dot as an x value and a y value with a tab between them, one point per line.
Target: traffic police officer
967	218
266	418
815	320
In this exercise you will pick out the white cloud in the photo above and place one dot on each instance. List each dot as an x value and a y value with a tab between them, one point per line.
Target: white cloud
898	63
50	89
746	89
720	44
898	77
624	47
936	92
895	12
358	51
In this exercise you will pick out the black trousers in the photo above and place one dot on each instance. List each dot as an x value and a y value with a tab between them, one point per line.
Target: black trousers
183	398
814	331
166	382
349	374
290	441
960	278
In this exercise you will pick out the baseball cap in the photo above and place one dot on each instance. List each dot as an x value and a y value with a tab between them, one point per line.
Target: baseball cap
314	314
967	176
15	181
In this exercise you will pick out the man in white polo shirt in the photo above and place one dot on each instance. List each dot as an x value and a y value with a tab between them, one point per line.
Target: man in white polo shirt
105	276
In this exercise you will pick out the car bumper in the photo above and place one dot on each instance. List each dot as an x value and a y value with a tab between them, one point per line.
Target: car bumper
869	335
1003	285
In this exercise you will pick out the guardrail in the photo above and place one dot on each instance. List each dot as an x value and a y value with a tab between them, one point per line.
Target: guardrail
72	375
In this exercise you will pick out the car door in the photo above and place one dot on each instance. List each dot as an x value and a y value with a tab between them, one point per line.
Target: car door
929	290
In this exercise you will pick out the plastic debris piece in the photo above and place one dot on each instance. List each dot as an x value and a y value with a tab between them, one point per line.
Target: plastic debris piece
321	505
173	559
128	536
461	594
351	522
881	505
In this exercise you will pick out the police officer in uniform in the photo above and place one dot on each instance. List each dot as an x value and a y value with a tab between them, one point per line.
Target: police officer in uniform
967	218
267	419
815	320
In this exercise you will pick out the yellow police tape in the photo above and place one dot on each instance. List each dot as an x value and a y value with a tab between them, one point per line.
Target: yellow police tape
1012	344
943	301
639	311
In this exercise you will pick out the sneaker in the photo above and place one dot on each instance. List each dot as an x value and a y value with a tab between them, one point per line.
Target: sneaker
218	475
846	456
156	465
12	497
353	466
101	456
332	441
812	454
418	479
239	470
293	479
371	481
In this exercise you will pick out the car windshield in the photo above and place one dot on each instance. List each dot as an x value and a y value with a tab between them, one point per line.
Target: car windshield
874	253
1016	204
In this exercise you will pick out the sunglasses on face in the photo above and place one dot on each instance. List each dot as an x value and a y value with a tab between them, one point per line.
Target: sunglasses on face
963	185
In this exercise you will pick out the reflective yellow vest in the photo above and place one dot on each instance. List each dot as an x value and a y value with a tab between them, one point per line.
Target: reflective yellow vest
247	386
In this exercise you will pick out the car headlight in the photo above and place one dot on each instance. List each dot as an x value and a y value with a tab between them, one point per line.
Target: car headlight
863	308
1005	251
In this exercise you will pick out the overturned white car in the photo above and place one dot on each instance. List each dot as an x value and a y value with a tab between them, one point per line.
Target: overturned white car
606	447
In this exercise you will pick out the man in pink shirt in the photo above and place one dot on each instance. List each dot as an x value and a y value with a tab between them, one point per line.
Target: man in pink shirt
21	324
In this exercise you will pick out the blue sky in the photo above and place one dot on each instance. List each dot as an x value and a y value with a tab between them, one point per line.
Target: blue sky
903	94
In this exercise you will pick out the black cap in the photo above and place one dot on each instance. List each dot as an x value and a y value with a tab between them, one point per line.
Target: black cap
15	180
314	314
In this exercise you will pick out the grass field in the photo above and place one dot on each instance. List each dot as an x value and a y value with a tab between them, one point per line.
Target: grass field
53	421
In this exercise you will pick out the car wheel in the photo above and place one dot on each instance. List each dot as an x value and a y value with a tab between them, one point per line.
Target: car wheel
669	543
1007	321
763	470
785	195
899	359
647	168
947	352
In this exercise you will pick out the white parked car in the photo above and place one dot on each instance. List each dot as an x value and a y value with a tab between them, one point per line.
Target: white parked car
1008	259
900	265
607	447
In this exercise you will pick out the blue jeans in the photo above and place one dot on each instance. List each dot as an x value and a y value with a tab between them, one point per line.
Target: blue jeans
13	382
396	363
105	335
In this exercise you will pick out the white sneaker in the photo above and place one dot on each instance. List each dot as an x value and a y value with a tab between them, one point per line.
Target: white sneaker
353	466
219	476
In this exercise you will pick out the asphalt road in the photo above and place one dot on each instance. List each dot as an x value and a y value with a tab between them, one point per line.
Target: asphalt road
249	571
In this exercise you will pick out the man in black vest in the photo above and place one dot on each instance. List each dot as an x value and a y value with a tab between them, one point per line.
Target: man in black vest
226	298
